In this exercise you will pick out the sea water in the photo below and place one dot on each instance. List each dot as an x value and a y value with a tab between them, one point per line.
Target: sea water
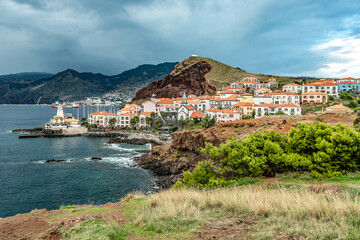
27	182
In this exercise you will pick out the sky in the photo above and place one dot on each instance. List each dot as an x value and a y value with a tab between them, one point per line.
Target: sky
318	38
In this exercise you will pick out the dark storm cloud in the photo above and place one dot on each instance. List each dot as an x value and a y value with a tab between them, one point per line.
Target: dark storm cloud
262	36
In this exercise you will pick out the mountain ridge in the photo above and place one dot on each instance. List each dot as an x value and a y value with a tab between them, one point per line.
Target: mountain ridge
70	85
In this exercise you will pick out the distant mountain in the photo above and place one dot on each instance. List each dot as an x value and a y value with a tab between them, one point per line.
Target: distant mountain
25	76
71	85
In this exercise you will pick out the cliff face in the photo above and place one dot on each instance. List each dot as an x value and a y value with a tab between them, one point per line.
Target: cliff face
188	76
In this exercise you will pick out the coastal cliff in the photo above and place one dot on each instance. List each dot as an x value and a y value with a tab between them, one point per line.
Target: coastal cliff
188	76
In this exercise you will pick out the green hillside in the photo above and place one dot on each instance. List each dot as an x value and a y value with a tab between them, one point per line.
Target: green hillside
222	74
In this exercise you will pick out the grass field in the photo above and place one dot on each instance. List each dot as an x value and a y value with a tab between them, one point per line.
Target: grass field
292	206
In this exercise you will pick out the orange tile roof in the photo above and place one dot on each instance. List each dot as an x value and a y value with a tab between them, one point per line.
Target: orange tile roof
278	93
213	110
227	111
166	101
278	105
148	114
314	93
262	88
197	114
189	107
348	83
321	83
292	84
128	114
227	92
246	94
103	113
243	104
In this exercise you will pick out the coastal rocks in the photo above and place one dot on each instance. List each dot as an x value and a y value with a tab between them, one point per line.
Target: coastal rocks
56	161
135	141
96	158
188	76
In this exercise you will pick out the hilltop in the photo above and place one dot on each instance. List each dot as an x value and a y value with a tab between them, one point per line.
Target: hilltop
200	75
71	85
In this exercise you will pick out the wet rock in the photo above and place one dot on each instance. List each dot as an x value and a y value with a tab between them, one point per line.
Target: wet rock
96	158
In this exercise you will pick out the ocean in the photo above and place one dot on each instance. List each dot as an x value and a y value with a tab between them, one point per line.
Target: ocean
27	182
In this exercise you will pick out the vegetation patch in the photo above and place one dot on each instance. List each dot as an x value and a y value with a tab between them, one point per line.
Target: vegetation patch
94	229
322	150
286	210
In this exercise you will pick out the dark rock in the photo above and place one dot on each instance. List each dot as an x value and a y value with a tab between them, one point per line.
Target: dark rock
96	158
188	76
54	161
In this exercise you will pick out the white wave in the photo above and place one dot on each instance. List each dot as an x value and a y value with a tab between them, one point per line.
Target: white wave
122	161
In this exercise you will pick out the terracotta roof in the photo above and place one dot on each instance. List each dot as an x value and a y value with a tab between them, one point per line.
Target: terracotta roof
246	94
213	110
292	84
348	78
189	107
148	114
227	111
278	105
271	82
314	93
58	116
227	92
321	83
166	101
279	93
125	109
104	113
243	104
197	114
128	114
263	88
98	113
348	83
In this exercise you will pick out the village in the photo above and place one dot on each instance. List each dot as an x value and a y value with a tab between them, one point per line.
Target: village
245	99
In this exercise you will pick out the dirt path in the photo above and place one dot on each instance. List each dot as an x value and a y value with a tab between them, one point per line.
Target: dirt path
43	224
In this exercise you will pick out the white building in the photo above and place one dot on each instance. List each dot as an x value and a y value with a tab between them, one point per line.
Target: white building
279	97
272	109
292	87
221	116
324	86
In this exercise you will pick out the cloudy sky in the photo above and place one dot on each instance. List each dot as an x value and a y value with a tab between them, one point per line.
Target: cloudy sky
285	37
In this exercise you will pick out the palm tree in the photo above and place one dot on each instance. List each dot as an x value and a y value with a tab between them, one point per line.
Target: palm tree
84	121
112	122
133	122
148	120
136	119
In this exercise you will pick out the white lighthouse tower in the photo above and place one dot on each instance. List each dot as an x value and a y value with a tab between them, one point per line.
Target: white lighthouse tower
60	111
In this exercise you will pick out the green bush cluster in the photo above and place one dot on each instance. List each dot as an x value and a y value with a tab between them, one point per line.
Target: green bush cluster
321	149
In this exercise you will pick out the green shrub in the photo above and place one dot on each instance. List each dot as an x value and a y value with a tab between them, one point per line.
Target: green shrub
323	150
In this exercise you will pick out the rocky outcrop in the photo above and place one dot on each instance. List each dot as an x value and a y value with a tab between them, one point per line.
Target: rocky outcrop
188	76
169	161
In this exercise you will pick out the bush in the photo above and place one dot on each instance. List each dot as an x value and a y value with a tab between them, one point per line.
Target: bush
279	113
323	150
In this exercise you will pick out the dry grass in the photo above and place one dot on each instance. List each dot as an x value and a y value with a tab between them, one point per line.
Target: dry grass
221	74
294	211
